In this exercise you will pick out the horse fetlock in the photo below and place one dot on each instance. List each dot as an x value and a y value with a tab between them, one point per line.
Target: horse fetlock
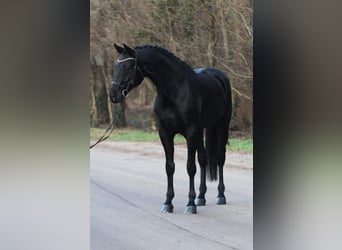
221	188
170	195
202	189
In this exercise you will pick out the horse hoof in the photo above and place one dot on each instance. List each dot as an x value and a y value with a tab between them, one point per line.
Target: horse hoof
221	201
190	210
167	208
200	202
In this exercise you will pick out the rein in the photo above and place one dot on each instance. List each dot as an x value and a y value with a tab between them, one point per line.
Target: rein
104	137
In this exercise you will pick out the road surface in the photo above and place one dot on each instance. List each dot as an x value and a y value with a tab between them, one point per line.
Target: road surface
128	186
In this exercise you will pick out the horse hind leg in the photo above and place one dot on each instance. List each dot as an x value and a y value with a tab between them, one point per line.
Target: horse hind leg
221	199
222	134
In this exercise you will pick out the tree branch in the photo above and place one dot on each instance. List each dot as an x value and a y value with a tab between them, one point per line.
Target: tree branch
237	74
241	94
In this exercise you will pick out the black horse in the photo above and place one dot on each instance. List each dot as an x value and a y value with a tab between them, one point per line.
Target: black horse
188	102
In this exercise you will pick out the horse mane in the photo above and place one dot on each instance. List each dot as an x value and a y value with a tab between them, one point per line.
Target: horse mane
165	52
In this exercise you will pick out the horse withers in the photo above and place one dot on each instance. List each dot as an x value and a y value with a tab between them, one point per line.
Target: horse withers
188	102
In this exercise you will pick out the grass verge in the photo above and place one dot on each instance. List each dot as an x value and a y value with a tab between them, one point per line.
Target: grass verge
240	145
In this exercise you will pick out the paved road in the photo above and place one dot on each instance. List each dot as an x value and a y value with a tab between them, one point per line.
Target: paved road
127	191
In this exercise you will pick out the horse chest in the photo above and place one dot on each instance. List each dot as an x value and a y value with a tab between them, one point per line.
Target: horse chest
170	116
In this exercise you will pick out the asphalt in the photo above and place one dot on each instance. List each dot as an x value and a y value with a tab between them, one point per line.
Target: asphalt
127	192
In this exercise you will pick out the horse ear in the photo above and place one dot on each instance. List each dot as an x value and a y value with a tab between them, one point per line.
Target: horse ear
118	48
129	50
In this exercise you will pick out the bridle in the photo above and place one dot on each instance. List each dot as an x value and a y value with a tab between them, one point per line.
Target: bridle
132	75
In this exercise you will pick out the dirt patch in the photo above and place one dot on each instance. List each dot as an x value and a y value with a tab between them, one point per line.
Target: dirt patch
155	149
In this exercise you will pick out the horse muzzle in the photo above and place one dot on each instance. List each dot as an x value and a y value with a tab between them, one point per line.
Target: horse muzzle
116	99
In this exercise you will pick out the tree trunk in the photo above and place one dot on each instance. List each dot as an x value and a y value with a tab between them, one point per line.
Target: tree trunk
93	108
212	41
109	103
224	31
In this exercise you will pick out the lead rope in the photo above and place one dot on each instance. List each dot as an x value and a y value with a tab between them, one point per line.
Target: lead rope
104	137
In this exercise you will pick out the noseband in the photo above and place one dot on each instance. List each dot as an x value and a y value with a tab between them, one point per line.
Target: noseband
131	78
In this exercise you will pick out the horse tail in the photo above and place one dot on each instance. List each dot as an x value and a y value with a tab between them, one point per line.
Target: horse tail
211	148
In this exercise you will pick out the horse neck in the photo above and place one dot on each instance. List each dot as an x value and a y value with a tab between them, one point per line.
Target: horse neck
165	73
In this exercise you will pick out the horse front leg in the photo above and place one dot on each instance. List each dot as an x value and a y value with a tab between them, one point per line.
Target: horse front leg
191	169
168	145
202	159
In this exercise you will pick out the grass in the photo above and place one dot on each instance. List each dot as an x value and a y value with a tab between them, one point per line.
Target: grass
240	145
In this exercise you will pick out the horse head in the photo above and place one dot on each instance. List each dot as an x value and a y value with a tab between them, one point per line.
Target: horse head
125	74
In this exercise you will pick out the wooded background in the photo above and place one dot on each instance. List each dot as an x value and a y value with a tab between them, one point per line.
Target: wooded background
204	33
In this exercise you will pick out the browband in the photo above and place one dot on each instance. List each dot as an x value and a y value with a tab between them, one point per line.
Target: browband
126	59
